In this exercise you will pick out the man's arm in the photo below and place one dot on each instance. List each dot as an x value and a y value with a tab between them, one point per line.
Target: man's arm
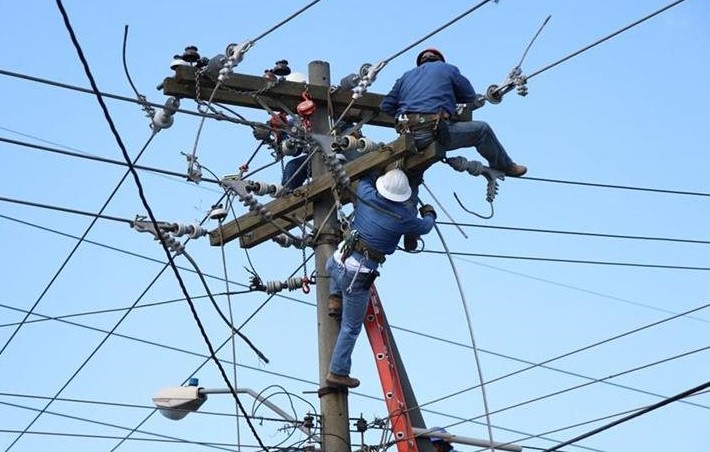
390	102
463	89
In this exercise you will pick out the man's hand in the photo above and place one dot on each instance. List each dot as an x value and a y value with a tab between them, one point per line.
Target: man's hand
427	209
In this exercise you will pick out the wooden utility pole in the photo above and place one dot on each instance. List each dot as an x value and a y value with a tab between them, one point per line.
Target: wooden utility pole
333	403
313	201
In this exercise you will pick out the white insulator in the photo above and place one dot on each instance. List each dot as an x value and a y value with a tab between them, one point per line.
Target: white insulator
284	240
358	91
366	145
278	189
218	213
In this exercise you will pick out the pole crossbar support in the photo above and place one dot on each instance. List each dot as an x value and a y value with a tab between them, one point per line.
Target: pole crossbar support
252	229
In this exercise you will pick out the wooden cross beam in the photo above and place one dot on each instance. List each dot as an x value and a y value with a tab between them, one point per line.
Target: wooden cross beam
295	208
242	90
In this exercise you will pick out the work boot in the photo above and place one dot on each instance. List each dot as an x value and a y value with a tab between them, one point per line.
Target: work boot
341	380
515	170
335	306
410	242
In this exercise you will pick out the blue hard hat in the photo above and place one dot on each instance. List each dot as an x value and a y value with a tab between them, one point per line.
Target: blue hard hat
437	430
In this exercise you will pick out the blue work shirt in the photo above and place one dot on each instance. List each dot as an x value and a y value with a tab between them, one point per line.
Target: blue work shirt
381	222
433	87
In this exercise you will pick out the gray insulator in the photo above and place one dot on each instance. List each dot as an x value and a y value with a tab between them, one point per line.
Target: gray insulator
214	65
263	188
194	231
287	241
350	81
290	284
473	167
290	147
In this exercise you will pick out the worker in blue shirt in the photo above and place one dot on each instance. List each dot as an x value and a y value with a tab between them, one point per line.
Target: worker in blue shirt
424	99
439	442
382	215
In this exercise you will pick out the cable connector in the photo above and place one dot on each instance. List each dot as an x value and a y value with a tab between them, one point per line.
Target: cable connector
235	56
367	79
239	186
163	119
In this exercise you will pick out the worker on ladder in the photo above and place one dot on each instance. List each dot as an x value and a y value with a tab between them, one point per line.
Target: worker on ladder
382	214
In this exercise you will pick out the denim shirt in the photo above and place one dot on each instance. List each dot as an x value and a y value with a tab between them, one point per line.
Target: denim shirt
433	87
381	222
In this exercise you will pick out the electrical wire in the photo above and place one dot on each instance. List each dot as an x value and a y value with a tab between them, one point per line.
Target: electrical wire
579	350
121	98
98	159
105	424
469	323
641	412
572	261
584	49
119	141
579	233
76	246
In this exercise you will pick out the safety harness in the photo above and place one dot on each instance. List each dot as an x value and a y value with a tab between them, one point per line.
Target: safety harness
354	243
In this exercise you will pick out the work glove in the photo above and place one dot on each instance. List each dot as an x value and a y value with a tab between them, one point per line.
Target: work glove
427	209
410	242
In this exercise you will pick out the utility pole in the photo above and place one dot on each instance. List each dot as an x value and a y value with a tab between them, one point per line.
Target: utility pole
333	402
313	201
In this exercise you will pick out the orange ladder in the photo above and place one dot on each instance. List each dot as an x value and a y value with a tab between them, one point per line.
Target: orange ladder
378	333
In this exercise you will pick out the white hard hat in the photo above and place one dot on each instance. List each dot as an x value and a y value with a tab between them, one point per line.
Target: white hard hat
394	185
296	77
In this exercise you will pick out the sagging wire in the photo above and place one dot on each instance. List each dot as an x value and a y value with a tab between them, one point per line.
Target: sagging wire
469	322
443	209
231	316
114	131
162	234
476	168
368	73
160	119
234	55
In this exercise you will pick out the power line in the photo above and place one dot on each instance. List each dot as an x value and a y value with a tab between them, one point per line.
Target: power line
550	66
619	187
641	412
580	233
219	117
96	216
99	159
571	261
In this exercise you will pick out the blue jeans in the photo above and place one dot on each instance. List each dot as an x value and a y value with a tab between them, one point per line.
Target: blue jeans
354	308
465	134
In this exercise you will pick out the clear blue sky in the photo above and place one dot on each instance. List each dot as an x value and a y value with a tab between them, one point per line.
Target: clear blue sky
630	112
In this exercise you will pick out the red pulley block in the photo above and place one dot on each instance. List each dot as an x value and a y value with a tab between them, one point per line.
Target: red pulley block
306	107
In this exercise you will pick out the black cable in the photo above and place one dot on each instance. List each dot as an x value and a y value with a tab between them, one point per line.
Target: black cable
121	98
76	246
219	311
571	261
620	187
141	194
447	24
584	49
222	446
286	20
96	216
643	411
577	350
99	159
585	234
91	421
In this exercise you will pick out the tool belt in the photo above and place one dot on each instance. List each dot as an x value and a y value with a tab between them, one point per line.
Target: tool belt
416	121
366	250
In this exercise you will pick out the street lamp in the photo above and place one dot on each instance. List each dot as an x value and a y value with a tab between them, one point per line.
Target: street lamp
176	402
